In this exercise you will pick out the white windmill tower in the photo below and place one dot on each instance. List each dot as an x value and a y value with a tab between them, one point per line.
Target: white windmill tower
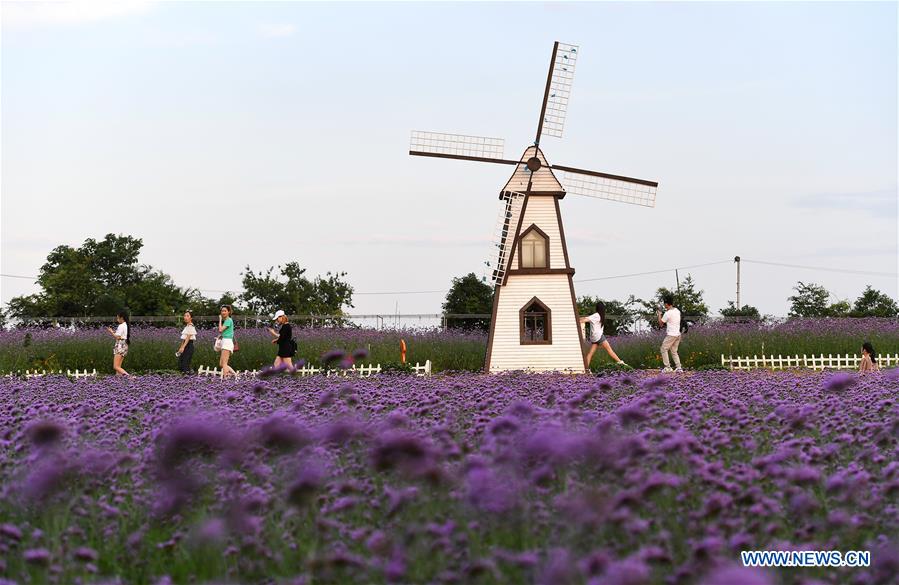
534	322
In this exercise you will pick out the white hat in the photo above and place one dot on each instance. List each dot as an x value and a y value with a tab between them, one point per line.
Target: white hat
278	313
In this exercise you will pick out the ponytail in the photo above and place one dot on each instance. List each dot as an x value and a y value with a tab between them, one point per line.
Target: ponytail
870	349
601	309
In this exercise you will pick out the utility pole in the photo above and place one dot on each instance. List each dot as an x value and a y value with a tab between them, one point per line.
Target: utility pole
737	261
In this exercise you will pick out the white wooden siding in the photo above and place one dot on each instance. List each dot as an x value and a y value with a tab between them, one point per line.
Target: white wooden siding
541	211
543	179
565	352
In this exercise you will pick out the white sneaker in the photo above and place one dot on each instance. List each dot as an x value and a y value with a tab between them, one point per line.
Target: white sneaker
666	369
679	370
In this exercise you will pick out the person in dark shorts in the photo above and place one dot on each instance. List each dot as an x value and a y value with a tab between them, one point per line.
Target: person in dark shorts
185	351
597	339
287	347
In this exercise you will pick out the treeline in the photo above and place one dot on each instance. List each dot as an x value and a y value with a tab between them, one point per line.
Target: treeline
470	295
100	278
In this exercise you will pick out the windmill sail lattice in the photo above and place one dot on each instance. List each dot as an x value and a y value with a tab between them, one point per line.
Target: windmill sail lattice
504	234
456	145
560	90
609	188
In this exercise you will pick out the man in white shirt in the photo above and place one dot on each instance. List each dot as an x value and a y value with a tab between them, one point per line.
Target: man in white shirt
671	321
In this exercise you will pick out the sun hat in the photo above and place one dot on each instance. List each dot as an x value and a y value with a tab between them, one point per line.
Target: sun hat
278	313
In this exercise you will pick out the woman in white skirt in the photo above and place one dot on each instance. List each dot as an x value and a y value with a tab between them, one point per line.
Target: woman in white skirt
122	336
226	331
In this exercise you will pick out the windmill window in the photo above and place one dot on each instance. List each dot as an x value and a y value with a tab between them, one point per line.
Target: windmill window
533	249
535	322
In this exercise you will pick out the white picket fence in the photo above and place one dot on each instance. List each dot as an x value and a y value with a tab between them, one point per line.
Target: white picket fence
814	362
362	371
29	374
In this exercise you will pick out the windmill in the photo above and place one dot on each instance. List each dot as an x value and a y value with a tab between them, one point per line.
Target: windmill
534	323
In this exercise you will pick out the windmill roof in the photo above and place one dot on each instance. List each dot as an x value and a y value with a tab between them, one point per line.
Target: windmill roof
543	181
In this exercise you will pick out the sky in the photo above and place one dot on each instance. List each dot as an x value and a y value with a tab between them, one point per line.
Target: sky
228	135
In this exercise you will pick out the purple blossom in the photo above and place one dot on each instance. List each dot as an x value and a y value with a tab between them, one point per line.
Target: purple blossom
840	382
11	531
45	432
37	556
738	574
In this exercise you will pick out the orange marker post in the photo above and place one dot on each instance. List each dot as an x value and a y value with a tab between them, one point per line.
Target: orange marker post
403	350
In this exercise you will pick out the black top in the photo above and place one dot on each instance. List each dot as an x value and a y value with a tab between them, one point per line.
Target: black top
285	334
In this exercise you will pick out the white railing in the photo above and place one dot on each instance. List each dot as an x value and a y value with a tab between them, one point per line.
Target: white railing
204	371
814	362
29	374
361	371
424	370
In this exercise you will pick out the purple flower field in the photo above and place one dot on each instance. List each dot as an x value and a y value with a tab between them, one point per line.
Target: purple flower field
619	480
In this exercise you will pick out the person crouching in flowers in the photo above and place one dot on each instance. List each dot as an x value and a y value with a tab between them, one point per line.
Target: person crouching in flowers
869	359
226	330
287	347
185	351
122	336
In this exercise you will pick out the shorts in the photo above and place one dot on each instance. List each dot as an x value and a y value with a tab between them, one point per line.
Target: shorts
602	339
120	348
228	344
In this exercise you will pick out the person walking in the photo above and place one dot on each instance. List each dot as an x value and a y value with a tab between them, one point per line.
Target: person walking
226	332
122	335
185	352
869	359
597	337
671	319
287	347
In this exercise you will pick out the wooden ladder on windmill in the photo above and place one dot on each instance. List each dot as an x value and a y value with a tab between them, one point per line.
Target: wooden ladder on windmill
535	321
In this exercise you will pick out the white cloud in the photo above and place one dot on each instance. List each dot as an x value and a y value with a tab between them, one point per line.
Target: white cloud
61	13
271	31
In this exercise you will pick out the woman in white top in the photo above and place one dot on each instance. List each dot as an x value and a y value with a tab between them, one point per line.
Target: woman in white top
185	352
122	336
597	338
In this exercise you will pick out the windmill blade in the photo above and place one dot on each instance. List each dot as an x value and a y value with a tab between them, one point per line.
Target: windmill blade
609	187
504	235
458	146
558	90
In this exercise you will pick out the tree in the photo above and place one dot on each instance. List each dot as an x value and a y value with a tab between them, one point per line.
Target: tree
468	295
812	301
204	306
625	312
746	311
264	293
686	298
873	303
99	278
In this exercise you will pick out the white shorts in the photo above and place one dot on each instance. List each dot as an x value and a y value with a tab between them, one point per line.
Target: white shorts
228	344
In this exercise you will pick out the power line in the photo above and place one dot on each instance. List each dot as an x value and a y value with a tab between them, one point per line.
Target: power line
653	271
825	269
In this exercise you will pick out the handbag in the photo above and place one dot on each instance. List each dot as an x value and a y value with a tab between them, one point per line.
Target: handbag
236	345
218	344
